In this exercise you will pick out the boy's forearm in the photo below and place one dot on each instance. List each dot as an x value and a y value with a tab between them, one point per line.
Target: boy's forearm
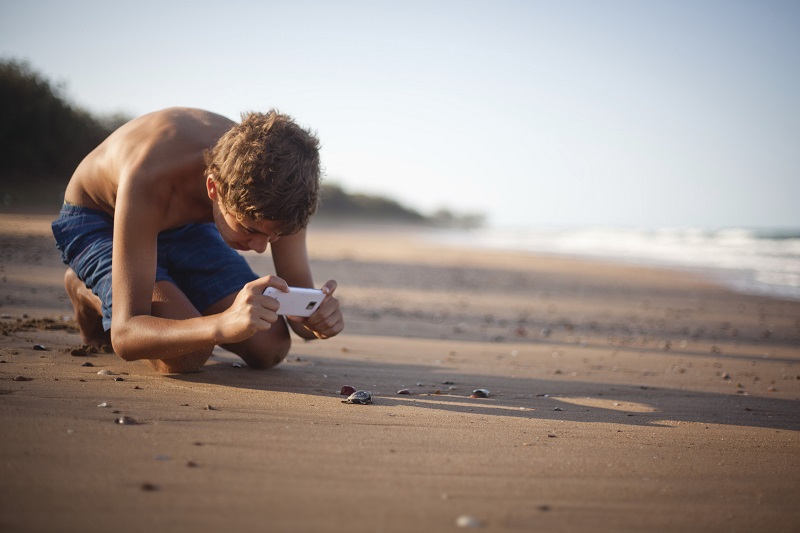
149	337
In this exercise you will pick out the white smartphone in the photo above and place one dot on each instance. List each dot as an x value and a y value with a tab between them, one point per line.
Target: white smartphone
297	302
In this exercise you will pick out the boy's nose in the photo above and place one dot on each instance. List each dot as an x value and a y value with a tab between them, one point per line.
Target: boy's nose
259	243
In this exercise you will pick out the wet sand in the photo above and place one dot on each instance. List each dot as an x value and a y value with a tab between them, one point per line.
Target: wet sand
621	399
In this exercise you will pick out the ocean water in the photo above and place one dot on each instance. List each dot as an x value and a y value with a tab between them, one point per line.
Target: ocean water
761	261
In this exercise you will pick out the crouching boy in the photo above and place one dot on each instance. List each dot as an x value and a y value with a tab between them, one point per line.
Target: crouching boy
150	225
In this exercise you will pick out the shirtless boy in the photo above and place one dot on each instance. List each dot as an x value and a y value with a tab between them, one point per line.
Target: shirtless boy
177	191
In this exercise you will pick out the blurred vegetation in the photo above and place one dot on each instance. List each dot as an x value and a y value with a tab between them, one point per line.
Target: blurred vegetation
43	138
338	204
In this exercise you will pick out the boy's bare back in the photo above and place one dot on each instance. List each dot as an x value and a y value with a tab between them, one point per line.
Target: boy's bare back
159	154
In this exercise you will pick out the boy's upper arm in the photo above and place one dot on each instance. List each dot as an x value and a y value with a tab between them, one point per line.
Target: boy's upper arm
290	256
137	222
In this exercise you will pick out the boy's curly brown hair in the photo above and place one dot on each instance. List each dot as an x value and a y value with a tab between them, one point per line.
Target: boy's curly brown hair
268	168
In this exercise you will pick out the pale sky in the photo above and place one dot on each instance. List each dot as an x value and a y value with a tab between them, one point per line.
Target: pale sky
671	113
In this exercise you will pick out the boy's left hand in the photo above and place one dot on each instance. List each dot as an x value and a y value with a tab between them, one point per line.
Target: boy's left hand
327	321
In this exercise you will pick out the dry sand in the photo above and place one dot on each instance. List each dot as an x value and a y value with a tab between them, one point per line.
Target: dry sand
622	399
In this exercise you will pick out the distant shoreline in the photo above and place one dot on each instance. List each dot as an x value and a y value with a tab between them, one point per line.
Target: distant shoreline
762	261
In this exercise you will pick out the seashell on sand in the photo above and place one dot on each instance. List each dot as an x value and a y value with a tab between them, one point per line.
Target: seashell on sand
467	521
360	396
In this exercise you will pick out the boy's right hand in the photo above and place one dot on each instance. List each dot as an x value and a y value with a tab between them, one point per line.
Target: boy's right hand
251	311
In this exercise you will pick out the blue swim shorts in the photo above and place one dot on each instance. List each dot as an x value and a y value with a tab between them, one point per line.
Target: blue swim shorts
193	257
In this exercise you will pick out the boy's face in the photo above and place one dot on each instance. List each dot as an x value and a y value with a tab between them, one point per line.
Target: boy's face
245	234
238	232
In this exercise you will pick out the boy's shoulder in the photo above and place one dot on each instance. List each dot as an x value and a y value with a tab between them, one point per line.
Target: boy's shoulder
166	143
181	124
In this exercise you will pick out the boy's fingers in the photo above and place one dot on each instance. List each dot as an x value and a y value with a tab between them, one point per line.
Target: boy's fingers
329	288
330	330
261	284
271	304
325	319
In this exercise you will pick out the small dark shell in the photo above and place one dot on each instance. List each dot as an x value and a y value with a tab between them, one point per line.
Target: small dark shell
405	391
21	378
480	393
360	396
347	390
125	421
39	347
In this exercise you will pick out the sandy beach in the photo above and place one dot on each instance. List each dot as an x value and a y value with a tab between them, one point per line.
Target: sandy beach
620	398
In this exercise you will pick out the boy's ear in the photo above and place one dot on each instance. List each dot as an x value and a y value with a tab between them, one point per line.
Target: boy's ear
211	186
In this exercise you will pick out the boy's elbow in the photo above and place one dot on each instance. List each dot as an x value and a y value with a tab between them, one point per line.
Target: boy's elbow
121	345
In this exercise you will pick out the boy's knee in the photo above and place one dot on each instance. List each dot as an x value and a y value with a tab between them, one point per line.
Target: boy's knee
185	364
267	355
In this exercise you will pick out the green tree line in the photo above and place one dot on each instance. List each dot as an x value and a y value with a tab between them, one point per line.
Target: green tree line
41	133
337	203
43	137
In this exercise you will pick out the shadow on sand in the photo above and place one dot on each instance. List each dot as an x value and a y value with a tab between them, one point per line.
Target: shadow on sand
564	399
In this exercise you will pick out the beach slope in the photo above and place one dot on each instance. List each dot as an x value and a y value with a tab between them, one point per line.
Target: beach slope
619	399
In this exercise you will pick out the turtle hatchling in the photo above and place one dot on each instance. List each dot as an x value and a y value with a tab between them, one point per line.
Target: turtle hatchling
360	396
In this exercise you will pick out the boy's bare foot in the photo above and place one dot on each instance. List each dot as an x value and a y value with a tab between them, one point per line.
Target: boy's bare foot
88	311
